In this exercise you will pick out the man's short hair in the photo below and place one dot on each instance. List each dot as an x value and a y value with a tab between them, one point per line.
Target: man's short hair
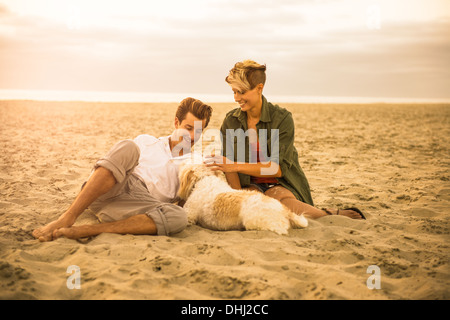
196	107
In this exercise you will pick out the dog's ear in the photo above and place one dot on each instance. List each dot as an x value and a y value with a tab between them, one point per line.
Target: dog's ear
187	180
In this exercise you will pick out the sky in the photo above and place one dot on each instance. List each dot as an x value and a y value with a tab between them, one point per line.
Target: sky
339	48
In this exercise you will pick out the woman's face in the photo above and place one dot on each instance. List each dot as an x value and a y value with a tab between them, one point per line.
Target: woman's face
249	99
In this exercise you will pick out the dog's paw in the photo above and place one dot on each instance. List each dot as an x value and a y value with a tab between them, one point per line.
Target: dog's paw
192	219
280	231
297	221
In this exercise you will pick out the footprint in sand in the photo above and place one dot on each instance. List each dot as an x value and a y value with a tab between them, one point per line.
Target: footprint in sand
422	213
444	194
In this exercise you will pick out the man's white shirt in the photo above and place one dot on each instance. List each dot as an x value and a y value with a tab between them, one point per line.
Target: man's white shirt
155	167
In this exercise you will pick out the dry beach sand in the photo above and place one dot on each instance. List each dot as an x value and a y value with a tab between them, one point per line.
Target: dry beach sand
391	161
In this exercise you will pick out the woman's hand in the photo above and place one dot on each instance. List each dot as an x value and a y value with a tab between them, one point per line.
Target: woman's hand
265	170
220	163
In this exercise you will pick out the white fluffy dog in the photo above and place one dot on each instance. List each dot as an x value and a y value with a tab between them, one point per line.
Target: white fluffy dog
213	204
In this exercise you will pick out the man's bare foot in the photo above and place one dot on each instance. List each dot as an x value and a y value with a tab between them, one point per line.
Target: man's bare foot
350	212
72	232
45	233
138	224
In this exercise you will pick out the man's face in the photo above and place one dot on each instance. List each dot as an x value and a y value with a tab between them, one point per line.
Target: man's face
189	130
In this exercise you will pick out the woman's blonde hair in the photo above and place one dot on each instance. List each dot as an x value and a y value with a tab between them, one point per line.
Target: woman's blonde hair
246	75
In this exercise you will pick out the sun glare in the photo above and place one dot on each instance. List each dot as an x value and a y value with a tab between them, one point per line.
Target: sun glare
131	14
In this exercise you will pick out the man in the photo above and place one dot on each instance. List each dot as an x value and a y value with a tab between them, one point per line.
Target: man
133	187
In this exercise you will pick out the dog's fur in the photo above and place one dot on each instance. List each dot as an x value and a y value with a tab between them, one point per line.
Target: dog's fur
213	204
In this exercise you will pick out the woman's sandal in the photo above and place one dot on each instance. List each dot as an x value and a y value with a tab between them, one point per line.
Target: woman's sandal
352	208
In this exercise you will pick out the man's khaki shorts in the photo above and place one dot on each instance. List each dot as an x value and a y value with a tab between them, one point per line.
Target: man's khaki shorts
130	196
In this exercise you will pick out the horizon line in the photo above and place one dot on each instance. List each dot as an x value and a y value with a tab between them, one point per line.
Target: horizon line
164	97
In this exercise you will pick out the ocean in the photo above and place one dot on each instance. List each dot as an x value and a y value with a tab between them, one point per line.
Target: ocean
117	96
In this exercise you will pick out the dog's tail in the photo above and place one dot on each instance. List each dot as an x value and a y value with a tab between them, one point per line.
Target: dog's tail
298	221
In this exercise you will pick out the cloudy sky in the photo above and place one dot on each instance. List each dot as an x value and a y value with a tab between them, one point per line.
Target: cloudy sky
336	48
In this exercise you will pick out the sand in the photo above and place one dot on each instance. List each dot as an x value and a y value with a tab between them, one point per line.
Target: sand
391	161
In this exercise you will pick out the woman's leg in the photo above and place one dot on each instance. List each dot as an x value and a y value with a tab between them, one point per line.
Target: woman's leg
287	198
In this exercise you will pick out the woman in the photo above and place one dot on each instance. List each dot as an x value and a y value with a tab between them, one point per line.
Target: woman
265	166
